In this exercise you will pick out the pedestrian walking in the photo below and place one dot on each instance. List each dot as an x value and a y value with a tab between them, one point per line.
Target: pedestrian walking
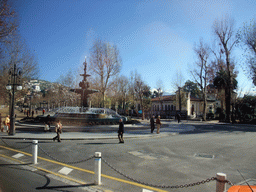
158	124
43	111
33	113
58	130
152	123
7	123
121	131
178	117
47	124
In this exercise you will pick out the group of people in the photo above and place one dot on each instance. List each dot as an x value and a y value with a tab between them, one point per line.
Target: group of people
28	112
152	123
158	124
58	127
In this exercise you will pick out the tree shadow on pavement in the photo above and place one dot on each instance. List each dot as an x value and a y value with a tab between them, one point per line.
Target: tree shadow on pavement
64	186
48	181
97	143
6	165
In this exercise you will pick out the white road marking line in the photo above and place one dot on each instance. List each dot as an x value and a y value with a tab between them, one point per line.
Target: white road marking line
29	168
65	170
142	155
136	153
146	190
18	155
148	157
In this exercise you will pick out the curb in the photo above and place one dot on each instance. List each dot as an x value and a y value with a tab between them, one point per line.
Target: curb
91	138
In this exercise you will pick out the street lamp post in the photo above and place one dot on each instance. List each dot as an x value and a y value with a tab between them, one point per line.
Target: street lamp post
14	81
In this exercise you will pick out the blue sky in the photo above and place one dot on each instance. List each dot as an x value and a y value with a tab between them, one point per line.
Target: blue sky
156	38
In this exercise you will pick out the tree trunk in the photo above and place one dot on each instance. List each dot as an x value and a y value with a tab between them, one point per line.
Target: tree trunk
205	107
142	109
228	102
103	99
229	85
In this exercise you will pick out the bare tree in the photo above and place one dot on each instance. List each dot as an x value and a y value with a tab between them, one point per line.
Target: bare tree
16	52
122	88
224	31
178	80
142	93
105	62
8	23
67	80
247	37
131	92
200	73
160	91
177	83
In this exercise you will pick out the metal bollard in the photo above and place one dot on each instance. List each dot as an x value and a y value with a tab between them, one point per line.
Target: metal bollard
34	151
97	168
220	183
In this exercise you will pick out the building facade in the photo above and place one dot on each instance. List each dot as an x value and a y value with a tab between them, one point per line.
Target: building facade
168	106
165	106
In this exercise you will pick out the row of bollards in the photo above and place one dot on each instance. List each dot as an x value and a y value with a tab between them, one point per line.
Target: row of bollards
97	167
220	177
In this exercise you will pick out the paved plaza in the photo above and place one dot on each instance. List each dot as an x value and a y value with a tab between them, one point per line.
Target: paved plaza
184	153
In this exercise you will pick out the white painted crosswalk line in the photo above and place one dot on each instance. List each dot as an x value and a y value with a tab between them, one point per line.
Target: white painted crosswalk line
18	155
65	170
145	190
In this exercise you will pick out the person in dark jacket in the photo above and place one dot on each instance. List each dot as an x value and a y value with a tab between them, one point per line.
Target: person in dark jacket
178	117
152	123
121	131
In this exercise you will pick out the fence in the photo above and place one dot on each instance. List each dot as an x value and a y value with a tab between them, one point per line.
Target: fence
220	178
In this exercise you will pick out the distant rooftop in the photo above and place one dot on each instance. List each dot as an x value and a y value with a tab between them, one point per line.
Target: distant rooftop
165	98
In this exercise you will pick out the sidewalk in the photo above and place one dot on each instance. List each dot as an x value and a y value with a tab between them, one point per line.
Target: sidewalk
131	131
73	136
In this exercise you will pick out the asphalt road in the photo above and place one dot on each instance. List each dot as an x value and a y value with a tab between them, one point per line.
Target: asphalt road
169	160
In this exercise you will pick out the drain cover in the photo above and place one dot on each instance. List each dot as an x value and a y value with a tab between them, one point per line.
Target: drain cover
203	155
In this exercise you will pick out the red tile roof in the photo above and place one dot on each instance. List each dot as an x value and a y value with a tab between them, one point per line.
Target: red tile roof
165	98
